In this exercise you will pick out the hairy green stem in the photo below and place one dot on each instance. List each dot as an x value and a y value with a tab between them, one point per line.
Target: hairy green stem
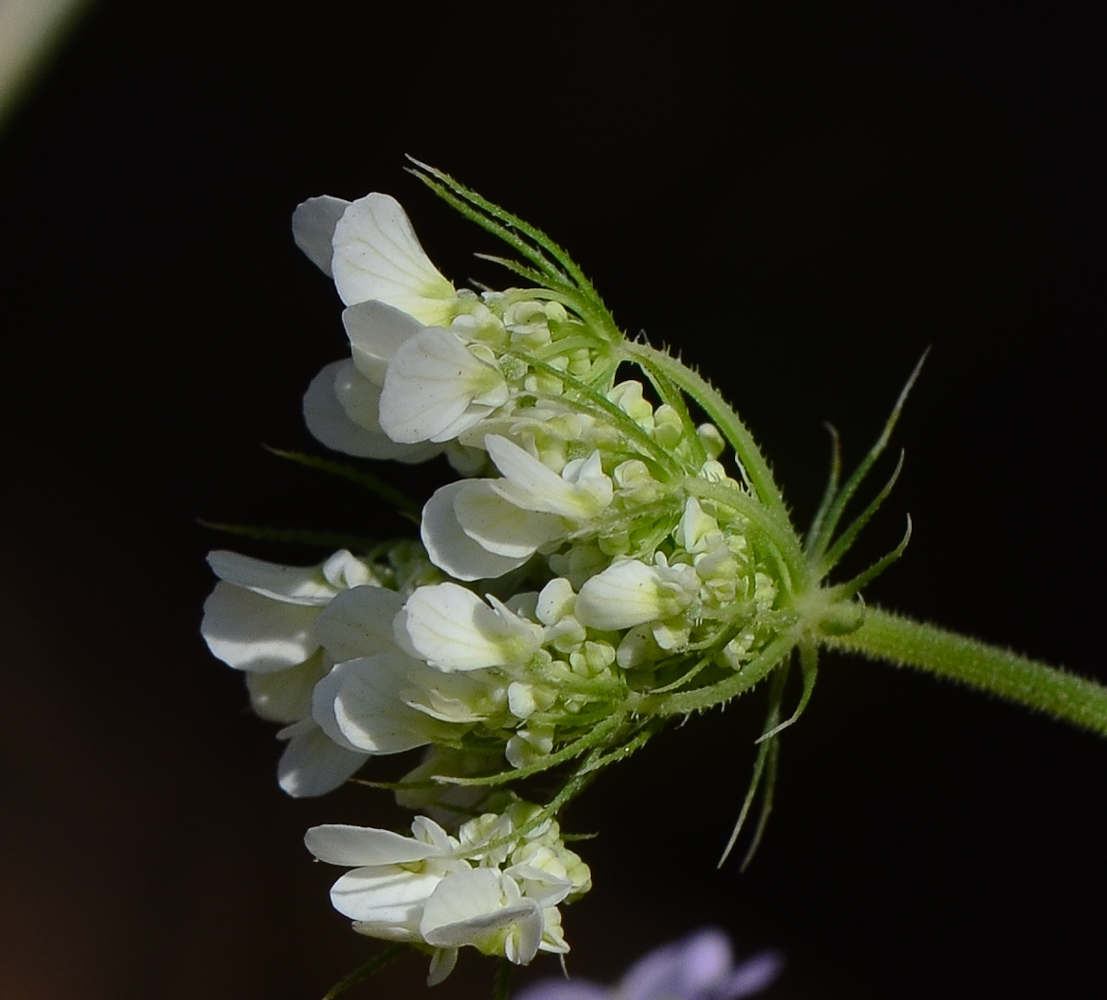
907	643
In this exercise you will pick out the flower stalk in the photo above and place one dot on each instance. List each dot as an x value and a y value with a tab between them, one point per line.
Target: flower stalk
903	642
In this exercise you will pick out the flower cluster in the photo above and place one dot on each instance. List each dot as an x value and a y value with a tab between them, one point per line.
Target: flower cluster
616	497
594	564
611	552
495	886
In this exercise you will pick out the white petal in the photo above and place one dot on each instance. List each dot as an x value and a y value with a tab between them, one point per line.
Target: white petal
457	698
555	602
473	907
360	398
587	475
452	628
694	526
358	622
313	225
626	593
442	964
529	745
529	484
344	570
545	888
250	632
329	422
331	425
387	900
503	527
355	846
520	700
427	831
293	584
451	549
323	698
285	695
376	331
313	765
377	256
435	388
441	620
369	708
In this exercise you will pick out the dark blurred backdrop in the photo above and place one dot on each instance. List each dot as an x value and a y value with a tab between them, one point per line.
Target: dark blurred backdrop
800	202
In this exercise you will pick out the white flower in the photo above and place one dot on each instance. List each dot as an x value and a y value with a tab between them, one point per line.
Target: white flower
410	381
393	875
392	292
375	255
376	332
579	493
627	593
474	534
261	619
360	704
435	388
449	892
453	629
484	908
423	404
378	699
260	615
483	528
341	410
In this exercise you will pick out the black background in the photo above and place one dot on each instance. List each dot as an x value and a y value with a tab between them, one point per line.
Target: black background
800	203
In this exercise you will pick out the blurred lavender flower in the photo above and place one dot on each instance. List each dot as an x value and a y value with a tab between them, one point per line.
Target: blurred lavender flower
698	967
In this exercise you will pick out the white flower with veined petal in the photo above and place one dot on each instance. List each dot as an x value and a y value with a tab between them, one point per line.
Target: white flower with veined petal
260	616
436	387
410	381
370	249
482	528
391	702
454	630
